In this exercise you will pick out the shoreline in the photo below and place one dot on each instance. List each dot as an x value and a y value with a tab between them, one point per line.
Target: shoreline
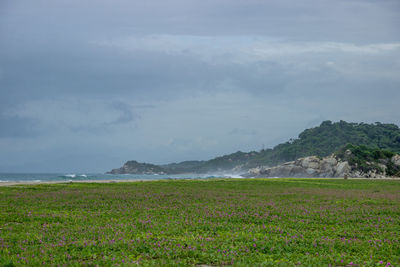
76	181
107	181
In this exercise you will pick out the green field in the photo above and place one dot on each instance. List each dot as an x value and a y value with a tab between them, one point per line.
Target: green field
240	222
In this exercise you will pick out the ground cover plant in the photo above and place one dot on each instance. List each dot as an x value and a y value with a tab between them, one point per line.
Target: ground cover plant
240	222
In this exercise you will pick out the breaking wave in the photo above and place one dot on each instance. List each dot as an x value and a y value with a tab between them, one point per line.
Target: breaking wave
73	175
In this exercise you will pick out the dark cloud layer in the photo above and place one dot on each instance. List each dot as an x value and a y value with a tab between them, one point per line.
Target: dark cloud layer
86	85
355	20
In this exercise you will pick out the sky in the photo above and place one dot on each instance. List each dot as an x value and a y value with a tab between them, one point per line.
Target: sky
86	85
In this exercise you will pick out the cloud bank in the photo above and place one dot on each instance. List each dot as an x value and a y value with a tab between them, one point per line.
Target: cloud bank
88	85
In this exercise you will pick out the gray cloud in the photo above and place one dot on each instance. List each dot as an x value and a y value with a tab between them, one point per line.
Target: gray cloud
87	85
126	116
16	127
304	20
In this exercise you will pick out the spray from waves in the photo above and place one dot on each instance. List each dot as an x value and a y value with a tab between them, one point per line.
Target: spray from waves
76	176
221	175
73	175
232	175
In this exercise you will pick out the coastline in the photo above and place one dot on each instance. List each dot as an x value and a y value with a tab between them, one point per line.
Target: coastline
109	181
75	181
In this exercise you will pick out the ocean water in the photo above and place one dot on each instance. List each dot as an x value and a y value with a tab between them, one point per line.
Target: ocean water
48	177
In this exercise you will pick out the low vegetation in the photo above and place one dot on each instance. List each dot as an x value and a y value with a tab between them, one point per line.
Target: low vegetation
366	158
240	222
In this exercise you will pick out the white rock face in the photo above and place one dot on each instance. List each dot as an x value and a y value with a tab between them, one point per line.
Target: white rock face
342	168
321	167
396	160
310	171
383	166
329	161
304	167
310	162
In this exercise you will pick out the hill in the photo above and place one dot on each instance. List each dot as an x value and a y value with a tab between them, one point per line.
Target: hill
135	167
320	141
329	137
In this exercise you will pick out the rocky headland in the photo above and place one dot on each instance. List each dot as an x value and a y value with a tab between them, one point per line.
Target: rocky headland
332	149
331	166
134	167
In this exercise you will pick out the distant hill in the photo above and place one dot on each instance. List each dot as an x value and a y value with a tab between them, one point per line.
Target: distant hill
135	167
319	141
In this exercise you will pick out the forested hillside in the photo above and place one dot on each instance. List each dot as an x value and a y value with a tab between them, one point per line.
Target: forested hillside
322	140
330	137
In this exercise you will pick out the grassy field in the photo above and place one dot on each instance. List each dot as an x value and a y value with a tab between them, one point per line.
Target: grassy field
241	222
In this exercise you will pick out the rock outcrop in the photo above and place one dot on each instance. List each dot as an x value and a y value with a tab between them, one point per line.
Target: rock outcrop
322	167
305	167
396	160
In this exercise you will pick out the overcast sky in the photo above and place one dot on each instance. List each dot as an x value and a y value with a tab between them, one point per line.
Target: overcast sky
86	85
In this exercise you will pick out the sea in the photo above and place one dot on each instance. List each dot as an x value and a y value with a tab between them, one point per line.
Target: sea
70	177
